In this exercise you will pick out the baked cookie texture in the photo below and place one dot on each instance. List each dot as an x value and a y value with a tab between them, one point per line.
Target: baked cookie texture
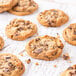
24	7
10	65
52	18
71	71
1	42
45	48
6	5
69	34
20	29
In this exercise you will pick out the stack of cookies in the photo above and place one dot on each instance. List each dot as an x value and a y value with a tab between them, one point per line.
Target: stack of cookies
18	7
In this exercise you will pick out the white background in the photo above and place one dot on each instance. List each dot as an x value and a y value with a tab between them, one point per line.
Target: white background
45	68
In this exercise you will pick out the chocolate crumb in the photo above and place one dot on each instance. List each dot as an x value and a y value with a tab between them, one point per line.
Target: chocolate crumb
28	61
66	56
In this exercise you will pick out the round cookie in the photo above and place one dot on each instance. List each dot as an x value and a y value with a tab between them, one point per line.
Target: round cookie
20	29
71	71
1	43
52	18
69	34
5	5
45	48
24	7
10	65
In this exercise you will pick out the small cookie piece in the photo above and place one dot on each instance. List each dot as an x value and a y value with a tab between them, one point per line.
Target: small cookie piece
71	71
24	7
45	47
69	34
20	29
1	43
52	18
10	65
5	5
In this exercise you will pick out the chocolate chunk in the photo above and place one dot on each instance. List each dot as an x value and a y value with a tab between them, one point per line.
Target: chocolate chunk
74	32
10	64
20	29
37	39
38	51
8	57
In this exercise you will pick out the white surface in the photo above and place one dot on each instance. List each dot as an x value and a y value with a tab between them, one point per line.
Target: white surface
45	68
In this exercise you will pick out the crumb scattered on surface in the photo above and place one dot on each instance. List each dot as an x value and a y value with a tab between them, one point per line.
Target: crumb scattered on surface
21	54
28	61
37	63
55	66
66	56
69	61
58	36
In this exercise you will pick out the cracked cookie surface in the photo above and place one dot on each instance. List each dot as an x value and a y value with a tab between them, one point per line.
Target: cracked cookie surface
10	65
24	7
69	34
52	18
20	29
1	43
6	5
71	71
45	48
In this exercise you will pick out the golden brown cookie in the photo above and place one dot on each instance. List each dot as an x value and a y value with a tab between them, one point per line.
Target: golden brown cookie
5	5
1	43
24	7
45	48
20	29
69	34
52	18
10	65
71	71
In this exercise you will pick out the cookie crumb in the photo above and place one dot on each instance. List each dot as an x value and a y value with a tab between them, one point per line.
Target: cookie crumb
28	61
69	61
36	63
21	54
58	36
66	56
55	66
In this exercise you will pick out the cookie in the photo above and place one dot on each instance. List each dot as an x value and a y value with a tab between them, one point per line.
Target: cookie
1	43
45	48
52	18
10	65
20	29
69	34
6	5
71	71
24	7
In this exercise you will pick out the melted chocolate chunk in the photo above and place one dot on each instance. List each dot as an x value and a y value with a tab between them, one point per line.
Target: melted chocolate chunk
8	57
70	68
20	29
53	54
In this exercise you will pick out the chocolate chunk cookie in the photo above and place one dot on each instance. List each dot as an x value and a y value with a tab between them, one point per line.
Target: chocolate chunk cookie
52	18
45	48
24	7
10	65
1	43
71	71
20	29
5	5
69	34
